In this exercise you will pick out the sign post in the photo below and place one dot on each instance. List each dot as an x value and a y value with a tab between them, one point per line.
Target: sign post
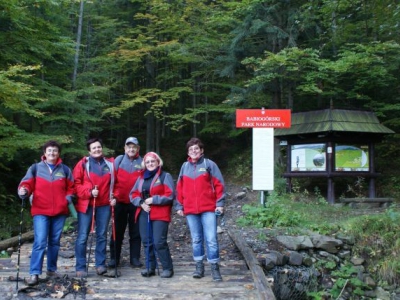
263	121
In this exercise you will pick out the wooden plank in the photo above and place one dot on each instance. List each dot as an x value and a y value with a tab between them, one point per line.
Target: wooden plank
238	282
260	280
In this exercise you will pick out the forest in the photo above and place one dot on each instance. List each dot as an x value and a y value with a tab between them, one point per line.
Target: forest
166	70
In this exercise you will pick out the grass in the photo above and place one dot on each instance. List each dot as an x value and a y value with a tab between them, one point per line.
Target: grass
376	232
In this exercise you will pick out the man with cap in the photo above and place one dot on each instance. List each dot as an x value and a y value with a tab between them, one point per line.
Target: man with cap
127	167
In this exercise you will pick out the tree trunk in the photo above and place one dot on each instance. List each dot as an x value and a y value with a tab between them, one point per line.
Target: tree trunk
13	242
78	45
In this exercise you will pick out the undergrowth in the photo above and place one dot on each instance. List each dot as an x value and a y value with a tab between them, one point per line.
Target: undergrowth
376	235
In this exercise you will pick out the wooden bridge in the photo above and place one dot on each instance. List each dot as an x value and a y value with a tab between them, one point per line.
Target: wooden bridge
242	279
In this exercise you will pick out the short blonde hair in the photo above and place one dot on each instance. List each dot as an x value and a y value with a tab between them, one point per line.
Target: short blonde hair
153	155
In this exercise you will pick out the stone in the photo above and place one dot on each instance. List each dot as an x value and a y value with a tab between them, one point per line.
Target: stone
344	254
240	195
369	281
357	261
295	258
382	294
276	257
326	243
295	242
346	239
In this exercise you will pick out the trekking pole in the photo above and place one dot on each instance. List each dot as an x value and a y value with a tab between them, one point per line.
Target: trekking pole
19	239
114	237
148	243
151	240
92	231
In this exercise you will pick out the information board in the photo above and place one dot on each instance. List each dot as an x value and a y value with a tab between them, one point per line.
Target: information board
263	159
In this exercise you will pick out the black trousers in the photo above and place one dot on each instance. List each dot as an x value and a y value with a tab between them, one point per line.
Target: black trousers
125	215
154	237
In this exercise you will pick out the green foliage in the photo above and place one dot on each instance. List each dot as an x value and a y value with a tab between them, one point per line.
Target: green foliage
69	224
240	166
274	214
378	238
346	276
10	216
4	254
389	267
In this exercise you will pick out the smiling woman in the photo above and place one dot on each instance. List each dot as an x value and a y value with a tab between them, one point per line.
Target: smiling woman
94	183
50	184
201	196
153	194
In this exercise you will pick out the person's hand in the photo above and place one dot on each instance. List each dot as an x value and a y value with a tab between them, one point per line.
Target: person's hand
95	193
180	212
149	201
220	209
113	202
146	207
22	191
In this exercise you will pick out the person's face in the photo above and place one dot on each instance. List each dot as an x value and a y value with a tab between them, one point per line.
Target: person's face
96	150
52	154
151	163
195	152
131	150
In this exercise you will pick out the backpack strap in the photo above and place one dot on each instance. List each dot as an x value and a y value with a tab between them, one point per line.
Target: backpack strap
162	176
182	168
118	161
208	168
34	169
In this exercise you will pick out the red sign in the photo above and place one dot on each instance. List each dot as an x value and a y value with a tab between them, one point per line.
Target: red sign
263	118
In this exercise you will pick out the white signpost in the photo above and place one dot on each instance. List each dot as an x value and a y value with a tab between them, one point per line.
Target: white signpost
263	121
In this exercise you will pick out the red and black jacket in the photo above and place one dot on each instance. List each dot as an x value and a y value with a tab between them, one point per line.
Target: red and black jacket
51	190
163	193
89	173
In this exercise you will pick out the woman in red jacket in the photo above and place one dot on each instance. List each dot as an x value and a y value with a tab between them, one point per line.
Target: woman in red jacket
200	197
52	187
94	182
153	194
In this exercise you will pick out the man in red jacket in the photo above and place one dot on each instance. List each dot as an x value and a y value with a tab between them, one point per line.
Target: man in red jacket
127	169
51	185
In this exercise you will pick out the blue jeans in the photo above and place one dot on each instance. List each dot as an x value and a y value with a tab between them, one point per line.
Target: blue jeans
47	233
102	218
203	228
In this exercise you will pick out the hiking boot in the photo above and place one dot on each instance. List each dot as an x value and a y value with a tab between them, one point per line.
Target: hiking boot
53	274
199	272
167	273
101	270
111	263
81	274
148	273
135	263
216	275
33	280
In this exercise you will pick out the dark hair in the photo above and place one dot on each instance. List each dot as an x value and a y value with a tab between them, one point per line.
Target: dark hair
194	141
51	144
93	140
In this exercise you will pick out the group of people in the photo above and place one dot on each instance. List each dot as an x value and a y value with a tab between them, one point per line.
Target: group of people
134	192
